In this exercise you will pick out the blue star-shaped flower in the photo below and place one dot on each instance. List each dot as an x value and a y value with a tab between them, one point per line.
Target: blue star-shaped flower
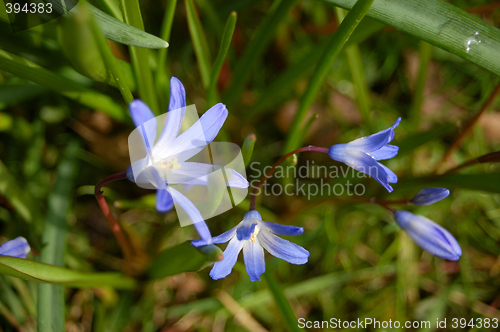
253	235
167	158
363	154
18	247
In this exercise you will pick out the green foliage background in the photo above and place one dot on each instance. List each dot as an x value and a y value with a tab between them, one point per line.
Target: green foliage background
292	77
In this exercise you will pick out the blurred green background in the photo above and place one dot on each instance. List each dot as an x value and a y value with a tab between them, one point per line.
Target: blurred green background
64	126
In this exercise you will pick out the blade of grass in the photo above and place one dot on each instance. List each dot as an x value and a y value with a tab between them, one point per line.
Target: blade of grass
257	45
224	48
140	56
358	76
282	303
199	43
51	297
441	24
161	79
111	63
26	69
40	272
425	53
337	41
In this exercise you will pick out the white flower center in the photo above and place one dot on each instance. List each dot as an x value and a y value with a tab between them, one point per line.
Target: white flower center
170	165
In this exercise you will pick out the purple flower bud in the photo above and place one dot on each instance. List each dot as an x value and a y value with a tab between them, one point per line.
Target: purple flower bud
428	196
18	247
428	235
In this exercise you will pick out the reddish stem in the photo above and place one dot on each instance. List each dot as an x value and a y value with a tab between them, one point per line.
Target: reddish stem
281	160
122	239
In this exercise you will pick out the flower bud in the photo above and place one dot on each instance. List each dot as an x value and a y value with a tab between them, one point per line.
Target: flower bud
428	235
428	196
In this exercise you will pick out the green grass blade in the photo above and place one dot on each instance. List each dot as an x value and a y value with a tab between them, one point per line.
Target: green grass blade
140	56
425	53
88	52
26	69
441	24
41	272
224	48
337	41
282	303
124	33
278	90
199	43
51	297
358	77
253	51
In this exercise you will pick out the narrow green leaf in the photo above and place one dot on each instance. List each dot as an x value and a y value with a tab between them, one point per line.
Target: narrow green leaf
120	32
199	42
183	258
224	48
140	56
358	76
425	53
247	148
26	69
51	297
481	182
256	47
413	141
40	272
282	303
161	79
337	41
441	24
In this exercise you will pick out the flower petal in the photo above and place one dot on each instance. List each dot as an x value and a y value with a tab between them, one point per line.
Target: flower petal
253	255
365	163
375	141
385	152
391	176
164	201
193	213
223	268
283	229
428	235
245	230
18	247
200	134
428	196
176	110
283	249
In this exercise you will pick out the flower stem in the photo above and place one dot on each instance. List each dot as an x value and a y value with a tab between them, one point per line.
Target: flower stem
281	160
122	239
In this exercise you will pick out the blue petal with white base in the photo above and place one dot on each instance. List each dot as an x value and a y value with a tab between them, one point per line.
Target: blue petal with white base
428	235
363	154
253	236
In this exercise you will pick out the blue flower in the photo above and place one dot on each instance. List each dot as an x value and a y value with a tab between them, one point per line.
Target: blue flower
18	247
362	155
169	154
253	235
429	236
428	196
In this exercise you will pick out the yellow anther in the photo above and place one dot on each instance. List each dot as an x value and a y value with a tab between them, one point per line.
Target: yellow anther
170	165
